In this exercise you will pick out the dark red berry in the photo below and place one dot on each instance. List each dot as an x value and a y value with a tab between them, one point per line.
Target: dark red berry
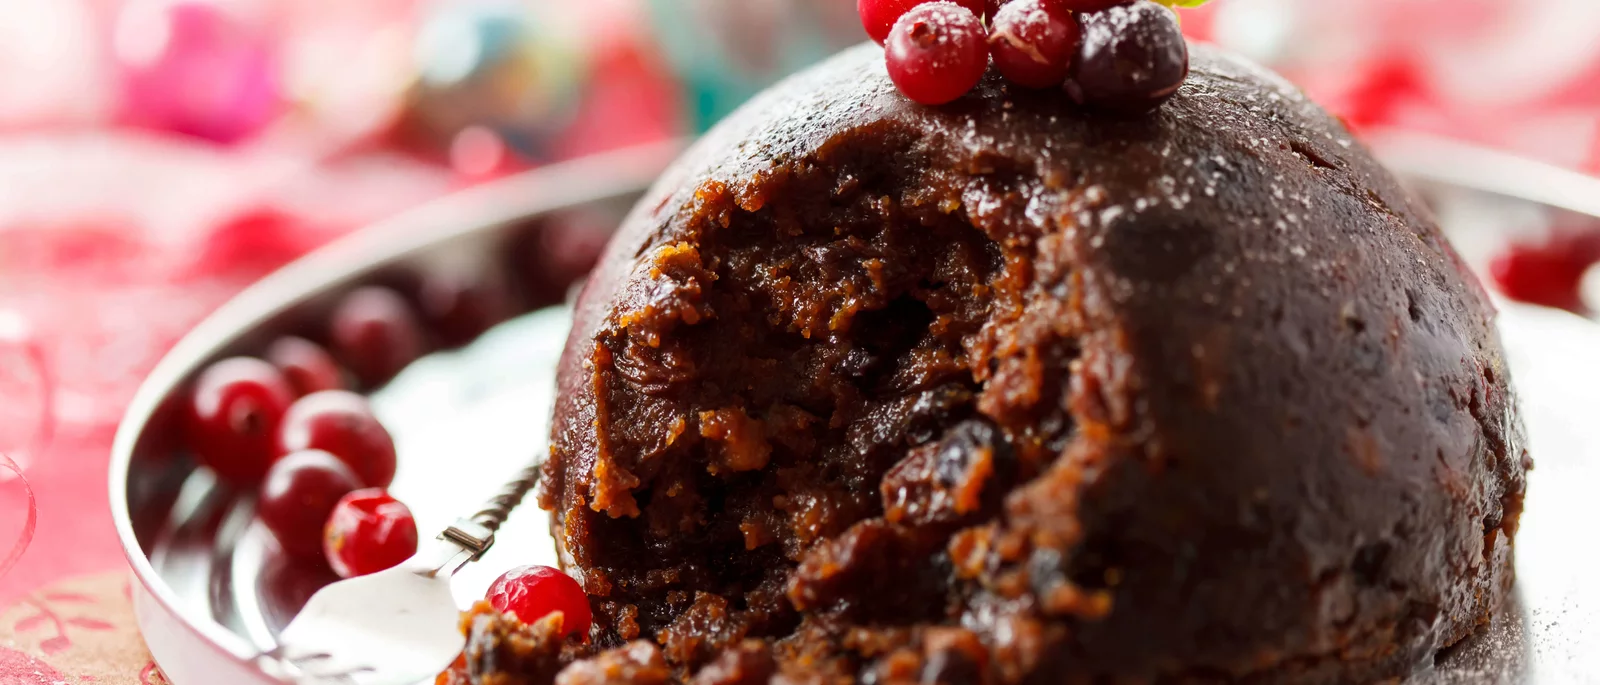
1069	5
1033	42
233	419
306	365
376	334
1547	273
368	532
549	255
1133	58
460	307
879	16
937	52
531	592
299	494
341	423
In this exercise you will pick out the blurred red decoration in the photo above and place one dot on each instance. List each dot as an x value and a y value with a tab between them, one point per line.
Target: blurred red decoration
30	520
256	240
27	414
1548	273
479	152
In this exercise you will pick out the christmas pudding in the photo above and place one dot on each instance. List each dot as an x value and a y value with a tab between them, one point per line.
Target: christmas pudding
1021	389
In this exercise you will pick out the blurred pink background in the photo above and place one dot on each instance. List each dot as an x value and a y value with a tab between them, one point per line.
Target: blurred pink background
158	155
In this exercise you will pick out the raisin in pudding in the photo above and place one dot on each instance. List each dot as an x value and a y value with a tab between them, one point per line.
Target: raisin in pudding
1013	390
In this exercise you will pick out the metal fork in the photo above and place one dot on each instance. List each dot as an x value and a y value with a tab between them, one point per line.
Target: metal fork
395	627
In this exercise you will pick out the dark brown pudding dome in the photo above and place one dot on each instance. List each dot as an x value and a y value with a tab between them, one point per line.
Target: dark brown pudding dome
1007	391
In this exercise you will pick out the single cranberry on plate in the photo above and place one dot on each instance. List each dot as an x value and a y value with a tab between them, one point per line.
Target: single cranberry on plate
1033	42
341	423
937	52
234	413
376	334
460	307
1132	59
368	532
879	16
298	496
306	365
532	592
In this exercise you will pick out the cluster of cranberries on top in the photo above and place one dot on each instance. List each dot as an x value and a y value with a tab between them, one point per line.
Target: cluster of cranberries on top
1122	56
1034	42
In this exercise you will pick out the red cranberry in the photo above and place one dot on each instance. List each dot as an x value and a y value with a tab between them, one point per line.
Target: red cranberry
298	496
459	307
368	532
306	365
233	418
376	334
937	52
1069	5
531	592
341	423
1090	5
1548	273
1033	42
879	16
1133	58
549	255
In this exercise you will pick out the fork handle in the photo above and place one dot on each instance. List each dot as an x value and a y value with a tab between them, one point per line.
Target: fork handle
495	511
476	533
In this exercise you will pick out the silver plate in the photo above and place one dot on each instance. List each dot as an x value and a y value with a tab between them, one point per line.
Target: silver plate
465	420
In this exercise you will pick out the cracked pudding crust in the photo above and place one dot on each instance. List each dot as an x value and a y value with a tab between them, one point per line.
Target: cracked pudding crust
1009	392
